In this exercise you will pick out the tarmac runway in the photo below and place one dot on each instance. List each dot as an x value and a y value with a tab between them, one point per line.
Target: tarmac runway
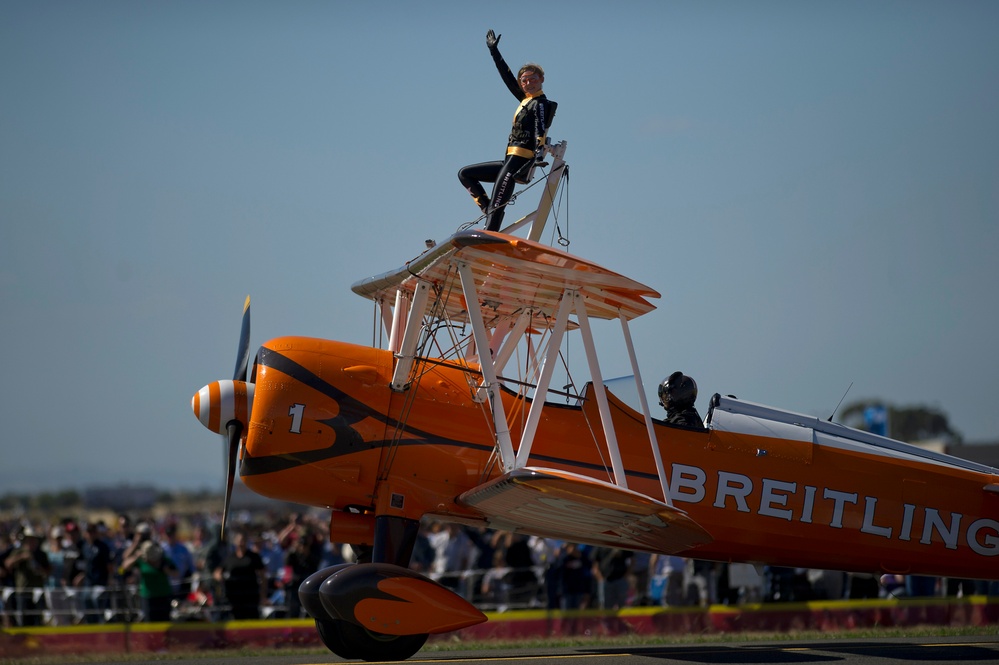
878	651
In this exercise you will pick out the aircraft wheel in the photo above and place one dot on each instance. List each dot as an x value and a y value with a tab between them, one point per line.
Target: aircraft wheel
329	633
368	645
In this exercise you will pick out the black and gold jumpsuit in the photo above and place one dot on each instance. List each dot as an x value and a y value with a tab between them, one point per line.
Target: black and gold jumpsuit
530	125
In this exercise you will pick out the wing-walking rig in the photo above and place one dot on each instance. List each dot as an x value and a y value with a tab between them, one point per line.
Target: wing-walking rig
501	287
457	418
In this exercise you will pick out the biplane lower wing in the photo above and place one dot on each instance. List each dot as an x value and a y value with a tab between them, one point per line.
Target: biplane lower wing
567	506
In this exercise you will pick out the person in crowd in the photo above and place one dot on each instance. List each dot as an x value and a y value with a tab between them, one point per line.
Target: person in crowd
6	579
301	560
273	555
576	577
210	549
611	566
54	550
494	588
522	579
917	586
862	586
422	560
182	559
244	577
669	571
640	573
701	587
332	554
61	554
30	568
531	122
71	550
122	537
154	568
93	575
453	555
548	552
487	545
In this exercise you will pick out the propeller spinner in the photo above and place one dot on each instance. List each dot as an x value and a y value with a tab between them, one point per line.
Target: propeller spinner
224	407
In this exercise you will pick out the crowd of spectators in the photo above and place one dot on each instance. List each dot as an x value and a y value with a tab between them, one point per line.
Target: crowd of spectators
177	568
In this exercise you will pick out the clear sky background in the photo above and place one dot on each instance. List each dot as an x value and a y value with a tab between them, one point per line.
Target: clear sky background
813	187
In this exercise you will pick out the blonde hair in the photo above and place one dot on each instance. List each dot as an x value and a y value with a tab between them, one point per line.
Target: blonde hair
531	67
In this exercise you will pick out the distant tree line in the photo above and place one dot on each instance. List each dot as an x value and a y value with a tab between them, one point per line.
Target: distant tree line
44	501
904	423
72	500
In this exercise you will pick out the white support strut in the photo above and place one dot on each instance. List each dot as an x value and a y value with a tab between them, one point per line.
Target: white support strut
512	339
539	217
548	194
481	337
653	441
399	313
386	313
414	326
547	370
598	389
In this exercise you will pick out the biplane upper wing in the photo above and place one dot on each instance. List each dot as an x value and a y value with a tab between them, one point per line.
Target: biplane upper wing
512	274
576	508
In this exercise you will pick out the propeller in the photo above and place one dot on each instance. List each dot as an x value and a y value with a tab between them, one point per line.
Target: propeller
224	408
234	428
243	355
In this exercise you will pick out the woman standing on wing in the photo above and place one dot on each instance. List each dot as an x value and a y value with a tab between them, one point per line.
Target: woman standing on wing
530	125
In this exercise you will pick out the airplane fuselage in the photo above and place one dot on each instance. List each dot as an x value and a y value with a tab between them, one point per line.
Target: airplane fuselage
327	430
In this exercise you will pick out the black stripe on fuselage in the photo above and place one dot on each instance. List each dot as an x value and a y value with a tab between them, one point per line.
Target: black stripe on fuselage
352	411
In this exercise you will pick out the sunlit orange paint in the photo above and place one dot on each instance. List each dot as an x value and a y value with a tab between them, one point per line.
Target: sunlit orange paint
386	437
745	500
415	606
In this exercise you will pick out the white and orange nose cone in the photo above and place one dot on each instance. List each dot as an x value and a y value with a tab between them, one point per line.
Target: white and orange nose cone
220	402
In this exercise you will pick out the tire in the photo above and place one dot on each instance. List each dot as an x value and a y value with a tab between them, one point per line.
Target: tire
329	633
370	646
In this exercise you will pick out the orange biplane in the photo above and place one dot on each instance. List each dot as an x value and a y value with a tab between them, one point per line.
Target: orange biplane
455	419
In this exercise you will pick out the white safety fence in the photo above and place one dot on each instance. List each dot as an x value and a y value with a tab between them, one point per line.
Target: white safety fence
490	590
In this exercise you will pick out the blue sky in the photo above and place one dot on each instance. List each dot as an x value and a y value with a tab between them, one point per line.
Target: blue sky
813	187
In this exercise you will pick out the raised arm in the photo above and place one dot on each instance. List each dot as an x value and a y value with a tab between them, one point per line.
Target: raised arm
492	43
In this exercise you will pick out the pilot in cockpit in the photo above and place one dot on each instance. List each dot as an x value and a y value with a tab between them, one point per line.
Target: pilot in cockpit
677	395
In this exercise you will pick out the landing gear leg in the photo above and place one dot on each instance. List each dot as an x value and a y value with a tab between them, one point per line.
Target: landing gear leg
395	538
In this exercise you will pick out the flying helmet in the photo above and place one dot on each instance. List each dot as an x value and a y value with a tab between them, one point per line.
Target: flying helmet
677	392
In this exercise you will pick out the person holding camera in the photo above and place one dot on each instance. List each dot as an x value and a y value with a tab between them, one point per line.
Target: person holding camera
30	568
154	570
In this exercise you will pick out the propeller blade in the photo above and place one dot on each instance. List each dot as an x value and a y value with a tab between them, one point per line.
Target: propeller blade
243	353
234	430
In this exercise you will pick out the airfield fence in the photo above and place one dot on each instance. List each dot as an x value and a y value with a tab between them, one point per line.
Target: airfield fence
491	590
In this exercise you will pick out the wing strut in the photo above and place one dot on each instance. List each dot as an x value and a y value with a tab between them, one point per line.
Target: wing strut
512	339
539	217
572	300
663	480
481	337
601	394
411	336
547	370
